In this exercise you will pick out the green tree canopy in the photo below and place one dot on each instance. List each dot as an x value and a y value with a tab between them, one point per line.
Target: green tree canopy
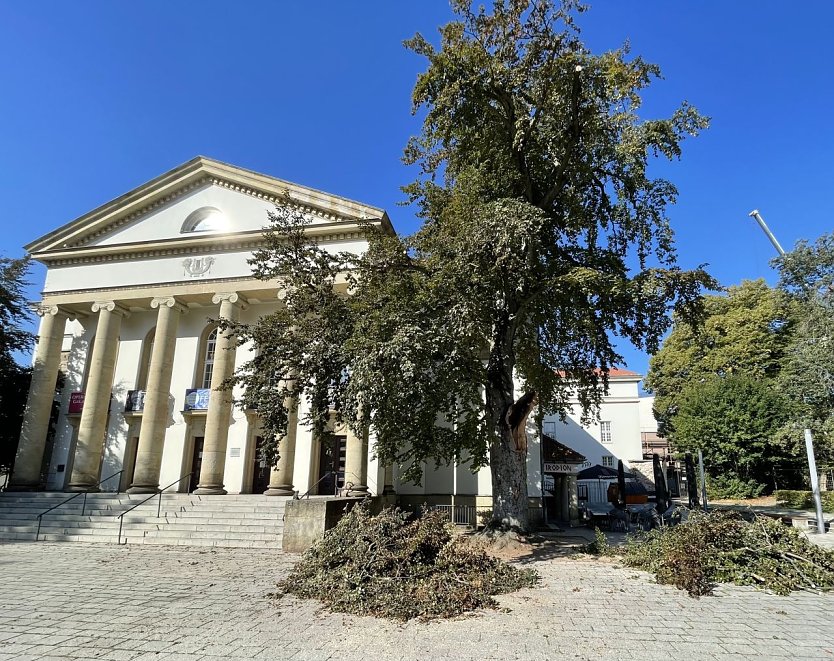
544	236
734	420
807	377
14	378
746	331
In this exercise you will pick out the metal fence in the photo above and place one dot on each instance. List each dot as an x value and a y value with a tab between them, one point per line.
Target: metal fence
472	516
460	515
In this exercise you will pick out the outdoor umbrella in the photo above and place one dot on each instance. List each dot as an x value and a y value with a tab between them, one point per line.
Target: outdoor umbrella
621	485
691	482
660	490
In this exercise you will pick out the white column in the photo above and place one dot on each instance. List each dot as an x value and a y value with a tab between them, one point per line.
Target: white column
93	426
220	401
356	462
281	477
155	413
26	475
573	499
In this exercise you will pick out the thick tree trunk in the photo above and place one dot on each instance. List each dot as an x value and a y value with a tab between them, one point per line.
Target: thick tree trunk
508	463
509	486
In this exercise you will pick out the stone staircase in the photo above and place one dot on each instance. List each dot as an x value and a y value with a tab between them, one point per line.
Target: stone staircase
245	520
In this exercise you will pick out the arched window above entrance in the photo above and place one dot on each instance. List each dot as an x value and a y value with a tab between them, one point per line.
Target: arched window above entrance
205	219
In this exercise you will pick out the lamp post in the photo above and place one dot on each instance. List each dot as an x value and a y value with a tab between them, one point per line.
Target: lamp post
809	441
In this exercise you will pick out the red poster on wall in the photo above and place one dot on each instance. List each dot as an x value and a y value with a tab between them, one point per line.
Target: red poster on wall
76	402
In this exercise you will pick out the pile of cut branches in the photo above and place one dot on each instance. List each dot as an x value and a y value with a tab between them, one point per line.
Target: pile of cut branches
394	566
727	547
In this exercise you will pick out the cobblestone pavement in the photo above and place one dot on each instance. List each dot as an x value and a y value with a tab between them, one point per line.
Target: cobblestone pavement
77	601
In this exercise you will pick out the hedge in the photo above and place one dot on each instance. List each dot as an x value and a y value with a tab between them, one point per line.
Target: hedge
804	500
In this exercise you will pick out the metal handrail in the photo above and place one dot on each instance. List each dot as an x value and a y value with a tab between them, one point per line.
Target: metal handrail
73	497
145	500
306	494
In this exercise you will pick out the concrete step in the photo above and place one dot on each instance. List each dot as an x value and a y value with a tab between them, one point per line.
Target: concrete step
220	543
240	521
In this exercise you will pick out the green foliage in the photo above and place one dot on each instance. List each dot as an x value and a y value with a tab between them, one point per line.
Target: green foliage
544	239
734	420
393	567
733	487
747	331
804	500
14	379
807	379
13	308
600	545
723	547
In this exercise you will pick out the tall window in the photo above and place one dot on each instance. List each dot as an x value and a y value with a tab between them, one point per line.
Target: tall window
605	431
608	460
145	360
208	360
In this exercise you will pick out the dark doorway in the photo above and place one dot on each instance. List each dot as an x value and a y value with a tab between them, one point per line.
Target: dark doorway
332	465
196	463
260	471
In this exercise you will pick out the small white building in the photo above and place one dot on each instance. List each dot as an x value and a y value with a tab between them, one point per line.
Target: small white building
616	435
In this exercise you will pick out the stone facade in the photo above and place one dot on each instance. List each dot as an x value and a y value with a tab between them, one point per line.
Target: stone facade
131	292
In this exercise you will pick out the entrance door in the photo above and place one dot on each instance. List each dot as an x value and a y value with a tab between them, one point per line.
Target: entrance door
260	471
196	463
332	465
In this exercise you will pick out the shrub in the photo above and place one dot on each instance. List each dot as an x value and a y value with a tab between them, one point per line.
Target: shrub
732	487
724	547
804	500
600	545
390	566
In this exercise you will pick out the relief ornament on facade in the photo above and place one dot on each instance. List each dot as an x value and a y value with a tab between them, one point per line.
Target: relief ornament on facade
197	267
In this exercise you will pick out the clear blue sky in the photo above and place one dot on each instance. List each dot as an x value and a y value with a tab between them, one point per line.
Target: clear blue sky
97	97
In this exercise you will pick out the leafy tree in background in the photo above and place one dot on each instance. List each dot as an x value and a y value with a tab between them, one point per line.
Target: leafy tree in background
734	420
543	237
807	378
747	331
14	379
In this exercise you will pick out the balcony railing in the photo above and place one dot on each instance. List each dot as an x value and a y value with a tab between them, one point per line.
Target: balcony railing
135	401
197	399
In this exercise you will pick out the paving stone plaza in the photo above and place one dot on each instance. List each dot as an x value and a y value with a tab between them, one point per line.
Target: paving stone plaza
153	603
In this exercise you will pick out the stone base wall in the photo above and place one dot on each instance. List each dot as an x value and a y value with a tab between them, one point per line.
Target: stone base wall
306	520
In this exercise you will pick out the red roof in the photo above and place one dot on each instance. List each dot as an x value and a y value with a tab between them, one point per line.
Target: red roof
616	371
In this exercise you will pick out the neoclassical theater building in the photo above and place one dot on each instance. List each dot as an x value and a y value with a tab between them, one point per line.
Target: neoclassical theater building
126	317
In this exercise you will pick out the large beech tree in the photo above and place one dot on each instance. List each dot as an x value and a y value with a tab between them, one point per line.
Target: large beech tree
544	237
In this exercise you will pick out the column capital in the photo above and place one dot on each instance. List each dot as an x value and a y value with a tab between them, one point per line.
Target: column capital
231	297
43	309
110	306
169	302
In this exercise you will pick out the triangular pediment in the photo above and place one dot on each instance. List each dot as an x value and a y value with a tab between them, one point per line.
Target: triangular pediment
197	200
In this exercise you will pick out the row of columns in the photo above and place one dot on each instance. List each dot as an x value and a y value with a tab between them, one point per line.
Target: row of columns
92	427
93	424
